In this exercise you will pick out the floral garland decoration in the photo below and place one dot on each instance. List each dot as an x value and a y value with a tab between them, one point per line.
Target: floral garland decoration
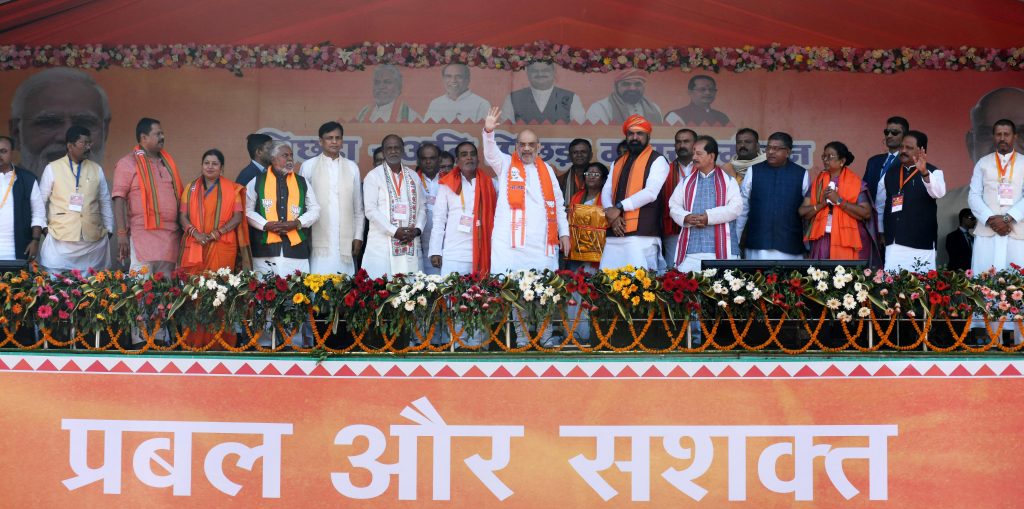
329	57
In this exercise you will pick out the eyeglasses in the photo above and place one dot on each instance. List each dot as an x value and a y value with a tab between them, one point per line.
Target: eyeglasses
891	132
827	157
591	174
773	148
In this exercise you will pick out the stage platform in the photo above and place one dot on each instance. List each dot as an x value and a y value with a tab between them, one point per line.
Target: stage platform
511	430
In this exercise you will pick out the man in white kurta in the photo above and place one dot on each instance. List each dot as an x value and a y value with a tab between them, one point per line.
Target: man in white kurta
995	199
337	237
708	219
393	202
19	236
387	103
633	212
79	213
428	159
457	104
530	247
911	169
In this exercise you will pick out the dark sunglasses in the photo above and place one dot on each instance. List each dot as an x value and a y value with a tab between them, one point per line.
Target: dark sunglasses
891	132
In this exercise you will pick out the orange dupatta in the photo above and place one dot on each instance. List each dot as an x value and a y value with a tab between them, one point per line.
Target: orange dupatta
484	200
517	201
147	184
633	185
845	240
193	204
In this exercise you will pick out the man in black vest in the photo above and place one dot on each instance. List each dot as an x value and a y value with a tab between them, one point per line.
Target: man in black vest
631	196
22	211
542	101
772	193
906	203
960	242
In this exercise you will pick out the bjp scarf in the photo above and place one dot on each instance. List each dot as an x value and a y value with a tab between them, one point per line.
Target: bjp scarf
293	209
517	201
845	238
484	200
193	204
634	184
147	183
721	229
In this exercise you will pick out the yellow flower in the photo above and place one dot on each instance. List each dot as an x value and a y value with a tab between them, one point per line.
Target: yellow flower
633	288
629	268
646	282
635	301
641	274
648	297
298	298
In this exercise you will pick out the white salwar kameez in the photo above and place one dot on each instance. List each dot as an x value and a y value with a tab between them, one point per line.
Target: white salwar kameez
280	265
37	205
638	251
57	255
330	254
898	256
378	260
534	253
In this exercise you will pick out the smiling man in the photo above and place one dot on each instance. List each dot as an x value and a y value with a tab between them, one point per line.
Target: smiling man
457	104
702	90
627	99
542	101
387	103
772	192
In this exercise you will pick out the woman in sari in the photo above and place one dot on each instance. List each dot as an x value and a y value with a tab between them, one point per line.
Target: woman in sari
212	211
837	206
587	225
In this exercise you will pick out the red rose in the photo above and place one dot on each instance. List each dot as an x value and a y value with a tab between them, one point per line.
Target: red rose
282	285
350	299
934	298
147	286
270	295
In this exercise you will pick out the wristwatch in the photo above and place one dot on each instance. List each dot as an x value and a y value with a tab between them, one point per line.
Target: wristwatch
620	207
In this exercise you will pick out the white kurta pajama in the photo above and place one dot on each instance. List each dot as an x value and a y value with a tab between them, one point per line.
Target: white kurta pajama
384	255
898	256
450	240
990	249
57	255
339	193
638	251
534	253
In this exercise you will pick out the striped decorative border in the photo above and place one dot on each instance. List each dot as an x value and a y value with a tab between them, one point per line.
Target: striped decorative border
519	369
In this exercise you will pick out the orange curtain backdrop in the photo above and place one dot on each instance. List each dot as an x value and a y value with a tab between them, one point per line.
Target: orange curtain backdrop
589	24
932	461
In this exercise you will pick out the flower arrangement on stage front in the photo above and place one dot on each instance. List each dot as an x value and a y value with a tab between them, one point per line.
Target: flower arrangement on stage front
630	289
18	296
413	302
326	291
474	302
362	297
328	57
843	292
215	297
285	301
536	296
736	293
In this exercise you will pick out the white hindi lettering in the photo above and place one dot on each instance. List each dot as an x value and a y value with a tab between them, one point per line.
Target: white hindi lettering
801	448
179	476
429	423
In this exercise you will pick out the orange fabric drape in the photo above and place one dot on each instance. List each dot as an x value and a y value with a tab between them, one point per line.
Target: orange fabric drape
845	240
634	184
484	201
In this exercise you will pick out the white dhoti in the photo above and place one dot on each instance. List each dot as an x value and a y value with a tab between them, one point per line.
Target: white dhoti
57	255
332	265
280	265
636	251
668	251
899	257
770	254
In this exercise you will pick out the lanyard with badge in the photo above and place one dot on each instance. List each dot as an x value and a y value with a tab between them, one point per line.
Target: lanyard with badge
1005	181
897	200
466	221
10	184
399	211
77	200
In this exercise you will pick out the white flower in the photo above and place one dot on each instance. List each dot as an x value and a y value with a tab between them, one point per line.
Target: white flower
556	298
234	281
421	300
543	300
858	287
217	301
211	284
736	284
722	304
710	272
223	271
822	286
849	302
195	295
739	299
862	296
756	293
863	312
528	295
750	286
549	291
410	305
832	303
716	287
432	287
843	317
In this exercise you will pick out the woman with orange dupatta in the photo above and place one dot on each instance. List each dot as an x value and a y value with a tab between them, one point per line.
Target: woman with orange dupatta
837	207
212	209
586	222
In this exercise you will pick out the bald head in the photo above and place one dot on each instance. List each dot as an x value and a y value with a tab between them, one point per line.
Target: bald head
527	146
1000	103
48	103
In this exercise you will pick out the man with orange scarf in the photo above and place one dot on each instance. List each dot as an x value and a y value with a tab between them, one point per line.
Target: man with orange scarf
463	217
631	197
530	225
281	206
147	225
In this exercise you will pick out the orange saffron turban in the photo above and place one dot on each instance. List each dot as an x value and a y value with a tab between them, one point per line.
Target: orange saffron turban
636	122
631	74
